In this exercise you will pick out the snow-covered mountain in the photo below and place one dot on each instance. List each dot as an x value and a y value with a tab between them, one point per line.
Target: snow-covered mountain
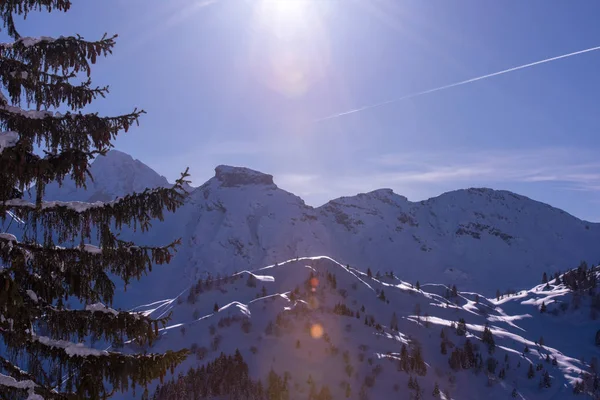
476	238
315	323
318	324
116	174
479	239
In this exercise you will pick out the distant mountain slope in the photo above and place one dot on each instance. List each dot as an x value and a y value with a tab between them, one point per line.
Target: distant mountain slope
362	337
115	175
477	238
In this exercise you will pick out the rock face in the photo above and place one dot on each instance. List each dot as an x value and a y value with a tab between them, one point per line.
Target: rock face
238	176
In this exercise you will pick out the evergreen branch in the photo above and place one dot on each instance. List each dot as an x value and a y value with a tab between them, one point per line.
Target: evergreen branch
70	220
92	367
14	385
112	327
24	7
23	309
55	273
45	90
23	377
64	54
22	168
69	131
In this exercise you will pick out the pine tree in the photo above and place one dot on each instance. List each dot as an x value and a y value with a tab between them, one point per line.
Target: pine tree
461	327
544	278
436	390
369	273
394	322
488	339
530	372
216	308
547	382
40	277
543	307
418	286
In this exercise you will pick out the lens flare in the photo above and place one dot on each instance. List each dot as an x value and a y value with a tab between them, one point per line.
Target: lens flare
316	331
314	282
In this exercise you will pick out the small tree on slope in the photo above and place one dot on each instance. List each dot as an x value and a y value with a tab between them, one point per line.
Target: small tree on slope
37	277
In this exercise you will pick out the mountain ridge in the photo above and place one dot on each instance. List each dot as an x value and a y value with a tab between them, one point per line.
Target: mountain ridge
476	238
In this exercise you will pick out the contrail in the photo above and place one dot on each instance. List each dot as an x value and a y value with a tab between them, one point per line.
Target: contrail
410	96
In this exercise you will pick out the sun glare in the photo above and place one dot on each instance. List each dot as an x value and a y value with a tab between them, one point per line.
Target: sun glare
285	9
291	46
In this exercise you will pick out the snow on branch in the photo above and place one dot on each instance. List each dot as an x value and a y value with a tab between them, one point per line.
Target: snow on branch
29	41
11	241
28	385
8	139
9	381
62	53
72	349
99	307
30	114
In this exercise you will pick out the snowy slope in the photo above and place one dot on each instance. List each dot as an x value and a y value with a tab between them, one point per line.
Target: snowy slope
477	238
302	335
480	239
115	175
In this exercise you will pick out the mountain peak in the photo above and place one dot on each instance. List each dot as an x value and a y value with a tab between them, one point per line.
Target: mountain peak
115	174
115	155
230	176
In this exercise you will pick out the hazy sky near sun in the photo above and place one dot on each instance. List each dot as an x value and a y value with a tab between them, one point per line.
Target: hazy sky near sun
241	82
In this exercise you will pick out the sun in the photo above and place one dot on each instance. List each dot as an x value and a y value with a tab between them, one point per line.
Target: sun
289	48
287	9
285	15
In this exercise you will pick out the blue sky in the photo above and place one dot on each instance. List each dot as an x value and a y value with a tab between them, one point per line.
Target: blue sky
242	82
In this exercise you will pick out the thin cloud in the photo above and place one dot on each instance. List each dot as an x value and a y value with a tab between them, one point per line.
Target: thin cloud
577	167
310	185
